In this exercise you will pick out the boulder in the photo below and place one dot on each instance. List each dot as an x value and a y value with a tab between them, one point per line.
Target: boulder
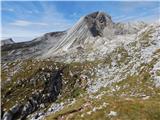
7	115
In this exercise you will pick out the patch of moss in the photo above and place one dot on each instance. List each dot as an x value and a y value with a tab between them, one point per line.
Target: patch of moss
126	109
120	54
30	69
4	53
67	109
145	37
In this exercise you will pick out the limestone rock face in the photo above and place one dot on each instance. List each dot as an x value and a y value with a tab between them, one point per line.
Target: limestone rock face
86	30
97	21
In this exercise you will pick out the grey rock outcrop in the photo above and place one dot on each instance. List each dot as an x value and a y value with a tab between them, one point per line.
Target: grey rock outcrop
97	21
7	41
12	113
7	116
50	92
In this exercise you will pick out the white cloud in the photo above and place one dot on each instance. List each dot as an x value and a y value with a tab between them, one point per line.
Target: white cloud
48	20
29	11
33	22
75	14
54	18
23	23
8	9
118	17
144	16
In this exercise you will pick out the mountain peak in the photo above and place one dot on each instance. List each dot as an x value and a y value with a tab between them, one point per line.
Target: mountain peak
97	21
86	30
98	14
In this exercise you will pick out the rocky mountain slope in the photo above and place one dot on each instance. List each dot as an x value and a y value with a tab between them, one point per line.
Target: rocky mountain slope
97	69
7	41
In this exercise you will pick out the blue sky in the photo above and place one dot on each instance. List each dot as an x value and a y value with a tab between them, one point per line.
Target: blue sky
24	21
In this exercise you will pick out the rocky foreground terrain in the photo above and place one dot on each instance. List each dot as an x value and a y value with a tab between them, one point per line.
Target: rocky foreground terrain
96	70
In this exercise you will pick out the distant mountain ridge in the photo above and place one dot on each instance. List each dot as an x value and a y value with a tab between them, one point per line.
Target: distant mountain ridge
84	33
